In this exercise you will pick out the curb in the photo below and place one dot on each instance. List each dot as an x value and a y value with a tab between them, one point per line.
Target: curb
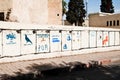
105	62
101	62
108	61
115	59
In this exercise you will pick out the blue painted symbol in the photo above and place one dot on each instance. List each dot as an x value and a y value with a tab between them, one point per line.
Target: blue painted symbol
55	40
65	46
10	36
27	39
68	38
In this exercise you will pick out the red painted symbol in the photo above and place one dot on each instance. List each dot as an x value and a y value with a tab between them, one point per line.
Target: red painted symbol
105	40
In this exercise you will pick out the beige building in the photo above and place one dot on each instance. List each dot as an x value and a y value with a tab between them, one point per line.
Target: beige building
104	20
32	11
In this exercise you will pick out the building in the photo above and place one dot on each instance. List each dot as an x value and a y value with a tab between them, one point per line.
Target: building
4	6
32	11
107	20
86	23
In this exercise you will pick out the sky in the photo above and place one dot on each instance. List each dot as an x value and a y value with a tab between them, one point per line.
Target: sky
94	5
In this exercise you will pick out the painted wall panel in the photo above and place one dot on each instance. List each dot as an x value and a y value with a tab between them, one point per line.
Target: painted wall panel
76	36
0	43
11	43
66	40
105	39
117	38
43	38
85	39
27	42
99	38
55	41
92	38
111	40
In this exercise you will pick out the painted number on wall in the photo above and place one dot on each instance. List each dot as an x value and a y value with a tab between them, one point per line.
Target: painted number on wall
43	47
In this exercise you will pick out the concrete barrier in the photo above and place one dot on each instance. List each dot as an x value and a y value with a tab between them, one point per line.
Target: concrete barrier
26	39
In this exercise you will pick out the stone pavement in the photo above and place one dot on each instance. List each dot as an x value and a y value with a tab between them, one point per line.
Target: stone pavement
23	67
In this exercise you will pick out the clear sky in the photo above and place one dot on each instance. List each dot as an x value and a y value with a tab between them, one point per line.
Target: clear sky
94	5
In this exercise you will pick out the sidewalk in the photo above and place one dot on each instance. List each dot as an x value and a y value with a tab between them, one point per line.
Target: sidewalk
24	67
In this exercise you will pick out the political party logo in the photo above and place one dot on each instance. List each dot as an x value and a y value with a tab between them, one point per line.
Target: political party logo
55	40
104	42
27	39
10	36
65	46
68	38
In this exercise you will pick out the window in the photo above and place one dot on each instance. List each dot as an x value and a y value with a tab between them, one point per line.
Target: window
107	23
1	16
117	22
114	23
110	23
57	14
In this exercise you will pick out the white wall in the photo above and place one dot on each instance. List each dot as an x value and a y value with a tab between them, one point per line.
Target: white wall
45	39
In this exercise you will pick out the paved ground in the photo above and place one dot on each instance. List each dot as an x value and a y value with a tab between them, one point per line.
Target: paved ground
36	66
104	72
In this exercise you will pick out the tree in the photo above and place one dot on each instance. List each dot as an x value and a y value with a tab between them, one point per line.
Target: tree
64	4
76	12
106	6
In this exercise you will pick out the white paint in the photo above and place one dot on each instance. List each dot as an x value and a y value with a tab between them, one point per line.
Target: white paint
11	43
84	39
55	41
76	40
117	38
111	38
14	42
66	41
93	40
99	39
27	42
58	54
43	38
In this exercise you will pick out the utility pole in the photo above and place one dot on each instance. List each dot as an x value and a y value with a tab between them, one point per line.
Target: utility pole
86	3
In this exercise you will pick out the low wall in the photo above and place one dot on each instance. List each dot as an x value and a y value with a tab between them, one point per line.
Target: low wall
19	40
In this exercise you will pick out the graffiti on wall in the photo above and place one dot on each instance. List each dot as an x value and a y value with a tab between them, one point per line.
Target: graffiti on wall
104	42
65	46
43	42
55	38
27	39
43	47
11	38
68	38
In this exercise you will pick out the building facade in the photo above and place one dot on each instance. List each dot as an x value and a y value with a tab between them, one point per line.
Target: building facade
107	20
4	6
32	11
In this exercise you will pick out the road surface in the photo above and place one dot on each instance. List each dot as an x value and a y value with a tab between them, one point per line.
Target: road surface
106	72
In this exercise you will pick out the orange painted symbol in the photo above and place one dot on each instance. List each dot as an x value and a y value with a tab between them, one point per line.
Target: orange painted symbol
43	39
105	40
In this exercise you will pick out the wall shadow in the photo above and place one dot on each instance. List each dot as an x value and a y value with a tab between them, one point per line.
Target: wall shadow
68	71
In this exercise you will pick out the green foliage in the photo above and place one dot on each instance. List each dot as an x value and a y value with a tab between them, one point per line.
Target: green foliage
64	4
76	12
106	6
